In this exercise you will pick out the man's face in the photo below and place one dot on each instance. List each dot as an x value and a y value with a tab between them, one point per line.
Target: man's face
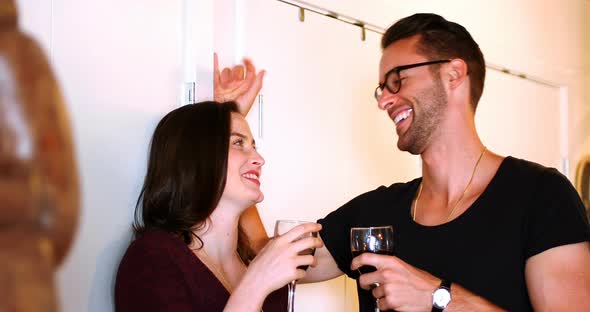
418	108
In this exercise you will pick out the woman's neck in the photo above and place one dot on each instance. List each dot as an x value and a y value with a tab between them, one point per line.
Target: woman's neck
220	235
218	252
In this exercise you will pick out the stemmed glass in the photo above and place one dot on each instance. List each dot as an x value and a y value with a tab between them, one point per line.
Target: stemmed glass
282	227
375	239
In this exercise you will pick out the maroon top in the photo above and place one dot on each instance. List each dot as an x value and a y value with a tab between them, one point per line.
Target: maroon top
160	273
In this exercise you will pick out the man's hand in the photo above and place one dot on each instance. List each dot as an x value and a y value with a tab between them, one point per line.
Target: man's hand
401	287
240	84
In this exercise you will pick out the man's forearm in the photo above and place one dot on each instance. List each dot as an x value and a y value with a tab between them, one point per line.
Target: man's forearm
254	229
464	300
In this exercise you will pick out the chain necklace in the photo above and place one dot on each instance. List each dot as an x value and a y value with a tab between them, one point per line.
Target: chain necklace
214	268
460	198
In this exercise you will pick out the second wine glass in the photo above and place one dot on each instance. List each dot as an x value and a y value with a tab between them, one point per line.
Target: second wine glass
282	227
374	239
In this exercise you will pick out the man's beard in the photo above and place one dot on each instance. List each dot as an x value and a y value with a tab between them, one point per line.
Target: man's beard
432	103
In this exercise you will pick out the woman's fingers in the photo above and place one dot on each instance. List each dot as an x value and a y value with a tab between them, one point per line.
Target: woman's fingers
231	78
240	83
238	73
299	274
225	76
299	230
307	243
216	74
250	69
305	260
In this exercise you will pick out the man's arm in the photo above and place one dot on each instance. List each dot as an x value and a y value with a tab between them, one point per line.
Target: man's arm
558	279
325	268
252	226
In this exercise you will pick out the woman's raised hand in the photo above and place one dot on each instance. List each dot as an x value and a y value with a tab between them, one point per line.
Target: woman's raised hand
240	84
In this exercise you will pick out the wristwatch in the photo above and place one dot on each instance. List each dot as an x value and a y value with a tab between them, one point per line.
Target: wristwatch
441	297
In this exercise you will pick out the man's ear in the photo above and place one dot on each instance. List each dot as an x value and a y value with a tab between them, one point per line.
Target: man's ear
456	73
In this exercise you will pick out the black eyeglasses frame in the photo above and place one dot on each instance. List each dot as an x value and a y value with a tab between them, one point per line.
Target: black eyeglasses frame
397	70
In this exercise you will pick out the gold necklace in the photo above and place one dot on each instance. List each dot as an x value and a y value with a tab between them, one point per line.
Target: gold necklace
215	269
460	198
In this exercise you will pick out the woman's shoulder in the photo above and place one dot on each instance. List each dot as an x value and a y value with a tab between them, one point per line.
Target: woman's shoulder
156	240
153	274
154	248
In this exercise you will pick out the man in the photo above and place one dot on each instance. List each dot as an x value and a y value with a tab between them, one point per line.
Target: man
478	231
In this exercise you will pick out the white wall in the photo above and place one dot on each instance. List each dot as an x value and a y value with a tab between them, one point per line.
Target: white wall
120	65
544	38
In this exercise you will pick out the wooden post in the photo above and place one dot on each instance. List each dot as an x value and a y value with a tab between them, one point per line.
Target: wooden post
39	195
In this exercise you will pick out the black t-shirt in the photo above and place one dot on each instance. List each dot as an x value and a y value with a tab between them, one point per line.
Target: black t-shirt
525	210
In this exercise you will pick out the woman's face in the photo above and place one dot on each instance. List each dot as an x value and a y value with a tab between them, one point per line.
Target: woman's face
244	166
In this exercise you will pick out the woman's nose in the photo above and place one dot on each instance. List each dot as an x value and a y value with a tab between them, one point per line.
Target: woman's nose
257	159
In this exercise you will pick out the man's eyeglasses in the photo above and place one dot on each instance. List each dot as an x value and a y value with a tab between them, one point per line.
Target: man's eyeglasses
392	81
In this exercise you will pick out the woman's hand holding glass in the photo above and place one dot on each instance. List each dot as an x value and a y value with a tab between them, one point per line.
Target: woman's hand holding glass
277	263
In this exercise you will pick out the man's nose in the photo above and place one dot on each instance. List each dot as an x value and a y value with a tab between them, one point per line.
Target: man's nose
387	99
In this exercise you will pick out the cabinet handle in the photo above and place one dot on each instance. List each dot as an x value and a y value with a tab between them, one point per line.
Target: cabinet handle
260	106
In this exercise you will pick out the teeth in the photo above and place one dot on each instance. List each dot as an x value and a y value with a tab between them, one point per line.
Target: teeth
250	176
402	116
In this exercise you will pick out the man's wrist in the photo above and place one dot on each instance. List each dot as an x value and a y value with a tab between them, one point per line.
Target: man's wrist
441	296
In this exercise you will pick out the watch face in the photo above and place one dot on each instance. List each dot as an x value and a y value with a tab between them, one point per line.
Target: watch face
441	298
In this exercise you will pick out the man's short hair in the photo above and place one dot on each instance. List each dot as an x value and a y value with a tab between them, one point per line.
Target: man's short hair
442	39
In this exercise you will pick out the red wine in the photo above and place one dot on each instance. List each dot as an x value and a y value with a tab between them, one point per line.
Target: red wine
368	268
308	251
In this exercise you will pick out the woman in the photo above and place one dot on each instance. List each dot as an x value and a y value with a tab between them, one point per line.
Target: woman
189	253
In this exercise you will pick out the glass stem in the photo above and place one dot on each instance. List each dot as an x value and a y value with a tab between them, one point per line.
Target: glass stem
291	302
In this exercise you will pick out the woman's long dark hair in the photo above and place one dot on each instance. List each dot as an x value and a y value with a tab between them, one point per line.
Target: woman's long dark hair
186	172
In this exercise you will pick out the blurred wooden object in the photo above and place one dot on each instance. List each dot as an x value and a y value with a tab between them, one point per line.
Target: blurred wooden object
39	195
583	182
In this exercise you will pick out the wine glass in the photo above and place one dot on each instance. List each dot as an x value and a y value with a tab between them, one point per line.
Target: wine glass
282	227
374	239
